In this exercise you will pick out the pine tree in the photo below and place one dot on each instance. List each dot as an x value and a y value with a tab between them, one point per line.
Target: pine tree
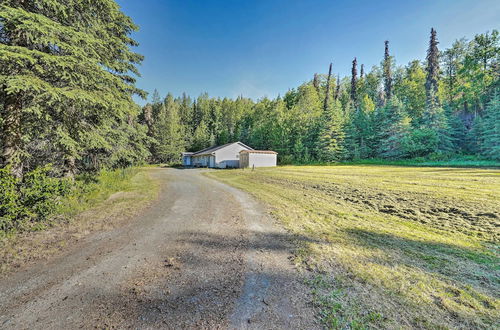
387	64
354	82
432	69
362	72
327	95
65	66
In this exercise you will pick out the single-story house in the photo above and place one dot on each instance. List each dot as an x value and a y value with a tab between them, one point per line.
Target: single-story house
228	156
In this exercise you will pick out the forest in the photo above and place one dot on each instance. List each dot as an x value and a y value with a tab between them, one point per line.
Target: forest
440	107
68	77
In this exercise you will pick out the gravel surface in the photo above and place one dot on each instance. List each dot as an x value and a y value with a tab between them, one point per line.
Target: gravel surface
205	255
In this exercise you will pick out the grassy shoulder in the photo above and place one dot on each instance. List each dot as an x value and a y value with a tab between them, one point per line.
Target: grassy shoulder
101	203
390	246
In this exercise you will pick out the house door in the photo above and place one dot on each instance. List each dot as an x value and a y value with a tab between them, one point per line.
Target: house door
211	161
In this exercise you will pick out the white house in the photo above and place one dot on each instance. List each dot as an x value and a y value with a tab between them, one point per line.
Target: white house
227	156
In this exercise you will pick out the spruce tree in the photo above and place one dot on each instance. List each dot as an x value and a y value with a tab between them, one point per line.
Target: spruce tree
394	127
387	63
354	82
432	69
330	144
362	72
65	73
490	130
328	82
337	89
316	82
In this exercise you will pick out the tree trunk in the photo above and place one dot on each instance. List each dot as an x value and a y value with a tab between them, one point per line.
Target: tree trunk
11	134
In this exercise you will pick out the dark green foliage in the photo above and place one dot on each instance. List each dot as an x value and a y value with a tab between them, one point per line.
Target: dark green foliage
489	129
387	72
393	129
431	83
65	79
30	199
354	82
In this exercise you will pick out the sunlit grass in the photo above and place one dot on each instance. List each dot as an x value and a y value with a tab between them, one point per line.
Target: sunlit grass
417	246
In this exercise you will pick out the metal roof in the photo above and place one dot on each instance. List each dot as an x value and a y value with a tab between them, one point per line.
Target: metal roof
210	150
259	152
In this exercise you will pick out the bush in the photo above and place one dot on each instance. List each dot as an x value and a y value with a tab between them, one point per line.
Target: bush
30	199
420	143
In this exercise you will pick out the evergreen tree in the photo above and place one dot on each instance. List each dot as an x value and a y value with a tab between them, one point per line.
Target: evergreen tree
394	127
337	89
316	82
354	82
327	93
431	82
168	133
41	43
490	130
387	73
329	147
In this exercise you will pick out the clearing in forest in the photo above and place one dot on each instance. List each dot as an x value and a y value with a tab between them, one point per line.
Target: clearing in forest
390	246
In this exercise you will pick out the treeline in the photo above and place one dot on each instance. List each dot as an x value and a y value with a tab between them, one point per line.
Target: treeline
443	106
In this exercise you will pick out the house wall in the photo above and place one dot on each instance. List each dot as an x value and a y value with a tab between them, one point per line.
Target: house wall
186	160
201	161
229	156
261	160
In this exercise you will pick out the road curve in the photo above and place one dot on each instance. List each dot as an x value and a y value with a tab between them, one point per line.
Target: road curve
205	255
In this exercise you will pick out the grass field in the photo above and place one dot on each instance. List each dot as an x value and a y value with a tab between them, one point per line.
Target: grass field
390	246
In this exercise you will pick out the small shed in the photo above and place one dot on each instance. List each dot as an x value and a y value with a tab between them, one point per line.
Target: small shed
258	158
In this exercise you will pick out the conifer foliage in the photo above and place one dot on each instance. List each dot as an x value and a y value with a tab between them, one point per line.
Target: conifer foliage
66	82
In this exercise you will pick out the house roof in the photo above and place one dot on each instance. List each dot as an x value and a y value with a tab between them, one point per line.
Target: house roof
259	152
210	150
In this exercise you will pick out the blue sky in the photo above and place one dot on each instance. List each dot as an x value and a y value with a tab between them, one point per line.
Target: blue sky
262	48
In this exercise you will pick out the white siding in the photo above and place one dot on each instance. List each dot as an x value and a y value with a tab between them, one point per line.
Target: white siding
229	156
261	160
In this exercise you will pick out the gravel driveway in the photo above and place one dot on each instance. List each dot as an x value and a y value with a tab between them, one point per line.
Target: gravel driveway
205	255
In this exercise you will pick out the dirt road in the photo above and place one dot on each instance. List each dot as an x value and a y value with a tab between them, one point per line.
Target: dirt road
205	255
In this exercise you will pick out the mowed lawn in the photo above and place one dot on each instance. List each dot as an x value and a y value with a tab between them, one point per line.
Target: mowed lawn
387	246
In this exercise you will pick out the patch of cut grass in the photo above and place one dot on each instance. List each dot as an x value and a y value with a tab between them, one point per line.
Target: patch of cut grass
417	246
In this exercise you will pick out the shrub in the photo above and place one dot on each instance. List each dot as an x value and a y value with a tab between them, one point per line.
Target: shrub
420	143
33	198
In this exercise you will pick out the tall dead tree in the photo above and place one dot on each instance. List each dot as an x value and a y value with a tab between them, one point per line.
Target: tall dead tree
327	95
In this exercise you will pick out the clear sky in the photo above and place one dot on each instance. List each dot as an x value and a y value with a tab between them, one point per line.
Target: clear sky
262	48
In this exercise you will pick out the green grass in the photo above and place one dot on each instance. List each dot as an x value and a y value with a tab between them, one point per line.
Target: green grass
396	246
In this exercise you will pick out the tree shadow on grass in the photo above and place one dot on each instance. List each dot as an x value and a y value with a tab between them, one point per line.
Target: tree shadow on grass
466	266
